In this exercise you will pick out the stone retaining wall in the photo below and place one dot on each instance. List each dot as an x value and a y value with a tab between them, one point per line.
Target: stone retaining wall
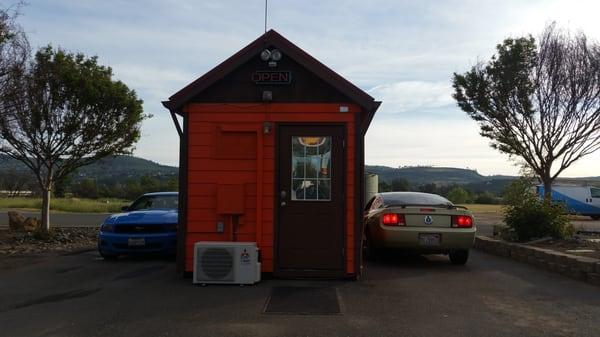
578	267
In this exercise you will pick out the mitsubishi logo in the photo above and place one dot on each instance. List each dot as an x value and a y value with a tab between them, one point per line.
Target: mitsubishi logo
428	220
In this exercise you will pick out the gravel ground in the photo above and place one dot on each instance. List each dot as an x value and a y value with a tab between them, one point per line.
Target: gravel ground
60	241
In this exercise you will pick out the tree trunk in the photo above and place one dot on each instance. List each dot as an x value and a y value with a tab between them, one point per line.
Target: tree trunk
547	189
46	209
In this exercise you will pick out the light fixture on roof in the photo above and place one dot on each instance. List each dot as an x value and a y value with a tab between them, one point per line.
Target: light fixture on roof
265	55
275	55
271	56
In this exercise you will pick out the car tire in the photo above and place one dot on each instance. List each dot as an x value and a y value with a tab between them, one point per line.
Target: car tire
108	257
459	257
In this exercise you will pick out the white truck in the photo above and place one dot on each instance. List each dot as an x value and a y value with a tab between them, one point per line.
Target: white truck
583	200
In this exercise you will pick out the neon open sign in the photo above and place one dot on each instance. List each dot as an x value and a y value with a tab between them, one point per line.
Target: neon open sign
272	77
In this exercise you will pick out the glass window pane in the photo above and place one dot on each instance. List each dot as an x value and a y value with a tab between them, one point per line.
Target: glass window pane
324	189
304	190
311	168
595	192
297	189
298	167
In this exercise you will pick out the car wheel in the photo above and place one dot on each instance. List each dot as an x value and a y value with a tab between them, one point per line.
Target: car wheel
459	257
108	257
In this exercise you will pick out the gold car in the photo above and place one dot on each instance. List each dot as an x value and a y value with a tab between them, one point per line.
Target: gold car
420	222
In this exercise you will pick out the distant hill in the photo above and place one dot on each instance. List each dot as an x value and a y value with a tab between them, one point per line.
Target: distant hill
418	175
109	169
123	168
471	179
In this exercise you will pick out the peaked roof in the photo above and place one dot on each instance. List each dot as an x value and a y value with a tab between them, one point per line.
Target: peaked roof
272	38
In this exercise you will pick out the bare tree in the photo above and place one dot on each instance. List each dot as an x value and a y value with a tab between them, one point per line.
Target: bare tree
541	105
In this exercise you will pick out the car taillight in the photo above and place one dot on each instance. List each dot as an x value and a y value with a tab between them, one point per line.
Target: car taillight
462	221
393	219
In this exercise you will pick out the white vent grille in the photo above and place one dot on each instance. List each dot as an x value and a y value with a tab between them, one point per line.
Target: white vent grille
217	263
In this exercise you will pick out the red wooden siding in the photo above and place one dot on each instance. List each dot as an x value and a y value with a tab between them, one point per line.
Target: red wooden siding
246	157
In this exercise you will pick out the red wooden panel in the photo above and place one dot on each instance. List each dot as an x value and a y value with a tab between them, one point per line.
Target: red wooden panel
230	199
202	227
267	253
195	127
202	202
207	164
206	177
196	109
200	139
268	143
235	145
267	228
267	266
201	215
202	189
267	216
237	117
243	237
195	237
267	240
325	117
350	262
199	151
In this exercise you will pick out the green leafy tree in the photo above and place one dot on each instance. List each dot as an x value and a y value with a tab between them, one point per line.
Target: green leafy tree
86	188
384	187
62	186
14	46
428	188
400	184
63	111
485	198
458	195
539	104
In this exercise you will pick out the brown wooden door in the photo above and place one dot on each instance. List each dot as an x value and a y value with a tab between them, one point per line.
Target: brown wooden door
310	200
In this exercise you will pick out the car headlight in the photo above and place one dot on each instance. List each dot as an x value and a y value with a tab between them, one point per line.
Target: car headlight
107	228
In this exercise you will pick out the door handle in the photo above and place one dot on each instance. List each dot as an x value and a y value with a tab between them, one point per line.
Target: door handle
282	196
283	203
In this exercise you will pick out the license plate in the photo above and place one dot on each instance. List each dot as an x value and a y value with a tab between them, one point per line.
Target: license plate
429	239
136	242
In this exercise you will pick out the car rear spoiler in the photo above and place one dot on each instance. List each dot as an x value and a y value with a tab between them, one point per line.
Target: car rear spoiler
427	205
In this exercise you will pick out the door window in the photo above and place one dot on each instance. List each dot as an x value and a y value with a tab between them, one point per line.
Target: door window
595	192
311	168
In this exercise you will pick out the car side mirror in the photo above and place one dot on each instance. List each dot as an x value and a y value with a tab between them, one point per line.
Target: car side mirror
125	208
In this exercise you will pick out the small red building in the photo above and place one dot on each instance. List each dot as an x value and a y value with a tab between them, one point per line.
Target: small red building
272	152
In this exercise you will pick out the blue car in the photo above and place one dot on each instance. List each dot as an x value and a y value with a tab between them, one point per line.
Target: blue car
148	226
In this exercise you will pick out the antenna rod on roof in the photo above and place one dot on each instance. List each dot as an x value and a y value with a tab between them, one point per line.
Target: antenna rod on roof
266	5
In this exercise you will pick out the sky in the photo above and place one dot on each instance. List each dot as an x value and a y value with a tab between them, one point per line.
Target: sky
400	52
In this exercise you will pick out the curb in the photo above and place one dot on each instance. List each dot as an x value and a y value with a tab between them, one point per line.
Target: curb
578	267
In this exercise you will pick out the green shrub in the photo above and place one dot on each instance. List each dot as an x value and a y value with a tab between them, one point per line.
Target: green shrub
459	195
528	216
486	198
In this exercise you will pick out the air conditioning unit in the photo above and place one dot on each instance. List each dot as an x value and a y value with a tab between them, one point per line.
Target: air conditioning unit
226	262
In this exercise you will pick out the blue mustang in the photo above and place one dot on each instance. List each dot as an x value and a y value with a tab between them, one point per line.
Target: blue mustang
149	225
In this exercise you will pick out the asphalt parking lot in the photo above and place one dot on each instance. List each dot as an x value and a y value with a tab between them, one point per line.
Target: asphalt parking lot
82	295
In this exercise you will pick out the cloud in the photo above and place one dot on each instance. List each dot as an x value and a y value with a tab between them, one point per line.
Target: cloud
402	97
401	52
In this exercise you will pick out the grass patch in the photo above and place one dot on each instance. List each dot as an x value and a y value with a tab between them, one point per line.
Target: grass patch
75	205
481	208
